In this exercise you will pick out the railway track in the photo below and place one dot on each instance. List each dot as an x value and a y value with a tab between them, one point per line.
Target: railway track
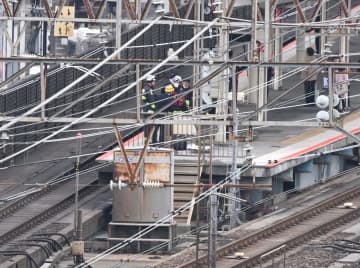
21	215
285	234
17	219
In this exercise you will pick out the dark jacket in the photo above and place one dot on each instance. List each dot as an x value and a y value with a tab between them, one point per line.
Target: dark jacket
148	97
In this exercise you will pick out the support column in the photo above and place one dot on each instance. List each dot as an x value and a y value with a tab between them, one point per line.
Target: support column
213	231
278	58
300	41
331	94
197	50
138	94
138	9
222	105
344	43
43	88
323	31
252	55
21	36
234	219
118	25
263	94
8	34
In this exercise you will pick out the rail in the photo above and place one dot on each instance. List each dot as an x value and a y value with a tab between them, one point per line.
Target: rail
286	223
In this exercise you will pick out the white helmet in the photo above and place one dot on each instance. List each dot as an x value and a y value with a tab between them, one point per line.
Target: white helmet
176	80
150	78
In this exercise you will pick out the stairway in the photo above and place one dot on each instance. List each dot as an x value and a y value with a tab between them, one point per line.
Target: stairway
185	173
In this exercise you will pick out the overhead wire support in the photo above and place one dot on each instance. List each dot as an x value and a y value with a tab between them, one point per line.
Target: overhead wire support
81	78
17	119
157	67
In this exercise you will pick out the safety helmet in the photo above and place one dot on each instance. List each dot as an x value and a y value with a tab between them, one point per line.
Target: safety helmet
176	80
150	78
169	89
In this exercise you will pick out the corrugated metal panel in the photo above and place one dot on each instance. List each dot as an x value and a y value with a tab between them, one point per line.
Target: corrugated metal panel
2	104
33	94
11	101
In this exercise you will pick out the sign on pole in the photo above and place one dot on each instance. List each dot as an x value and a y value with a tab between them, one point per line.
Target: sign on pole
65	28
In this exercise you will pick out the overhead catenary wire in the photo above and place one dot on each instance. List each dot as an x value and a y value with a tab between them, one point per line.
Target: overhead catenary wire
182	41
107	101
14	121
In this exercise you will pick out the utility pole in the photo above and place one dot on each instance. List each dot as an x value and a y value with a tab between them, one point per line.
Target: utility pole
263	94
331	95
223	51
197	47
322	30
118	25
234	177
78	244
213	230
252	56
344	40
278	51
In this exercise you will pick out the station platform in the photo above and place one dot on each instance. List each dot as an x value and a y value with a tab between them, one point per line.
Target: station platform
278	153
303	147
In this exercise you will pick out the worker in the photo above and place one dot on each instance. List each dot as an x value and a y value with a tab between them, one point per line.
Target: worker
148	96
184	101
169	91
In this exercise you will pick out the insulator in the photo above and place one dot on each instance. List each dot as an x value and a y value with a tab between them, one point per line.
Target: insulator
117	184
152	184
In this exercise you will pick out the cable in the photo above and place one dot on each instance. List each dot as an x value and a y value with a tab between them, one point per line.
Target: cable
51	108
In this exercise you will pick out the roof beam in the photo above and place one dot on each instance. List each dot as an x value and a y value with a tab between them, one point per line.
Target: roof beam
17	8
273	7
146	9
174	9
7	8
101	9
188	9
230	8
59	9
316	10
48	10
299	11
88	9
345	8
129	9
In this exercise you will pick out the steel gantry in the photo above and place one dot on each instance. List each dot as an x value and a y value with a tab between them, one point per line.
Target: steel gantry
266	22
